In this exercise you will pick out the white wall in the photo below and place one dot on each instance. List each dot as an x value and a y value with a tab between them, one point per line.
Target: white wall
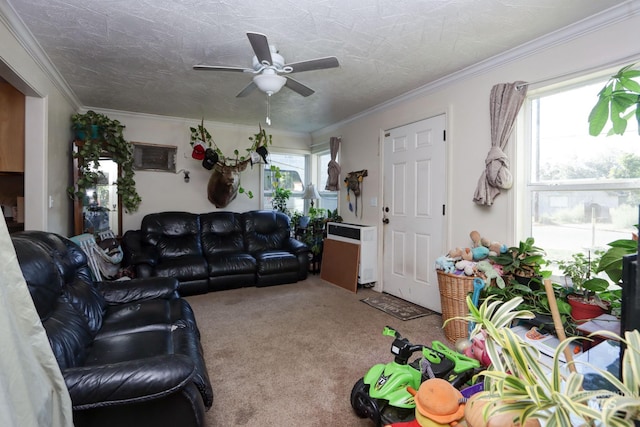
163	191
465	100
47	159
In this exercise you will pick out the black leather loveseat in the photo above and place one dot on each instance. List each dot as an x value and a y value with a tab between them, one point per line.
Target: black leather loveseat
217	250
129	351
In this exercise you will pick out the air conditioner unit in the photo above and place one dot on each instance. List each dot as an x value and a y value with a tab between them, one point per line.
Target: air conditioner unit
367	238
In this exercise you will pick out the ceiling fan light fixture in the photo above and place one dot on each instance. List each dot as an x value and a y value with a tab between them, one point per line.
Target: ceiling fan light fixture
269	83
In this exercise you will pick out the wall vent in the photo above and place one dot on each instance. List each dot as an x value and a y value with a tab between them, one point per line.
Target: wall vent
154	157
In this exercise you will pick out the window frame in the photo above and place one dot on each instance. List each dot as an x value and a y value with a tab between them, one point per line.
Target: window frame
526	158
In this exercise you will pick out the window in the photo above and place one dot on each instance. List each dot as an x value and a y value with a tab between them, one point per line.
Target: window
293	170
582	192
329	199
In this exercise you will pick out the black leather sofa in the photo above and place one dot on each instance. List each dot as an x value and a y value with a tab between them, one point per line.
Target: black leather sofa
129	351
217	251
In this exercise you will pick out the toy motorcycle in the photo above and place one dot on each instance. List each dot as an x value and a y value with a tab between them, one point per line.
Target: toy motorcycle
383	394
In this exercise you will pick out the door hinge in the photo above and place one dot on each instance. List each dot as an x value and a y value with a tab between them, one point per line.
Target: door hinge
388	134
444	135
443	210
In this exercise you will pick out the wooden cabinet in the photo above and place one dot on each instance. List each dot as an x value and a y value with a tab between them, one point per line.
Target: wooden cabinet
12	115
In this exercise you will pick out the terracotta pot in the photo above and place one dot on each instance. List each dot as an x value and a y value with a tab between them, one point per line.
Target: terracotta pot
582	311
474	418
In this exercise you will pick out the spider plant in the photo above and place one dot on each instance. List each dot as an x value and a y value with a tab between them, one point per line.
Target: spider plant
517	383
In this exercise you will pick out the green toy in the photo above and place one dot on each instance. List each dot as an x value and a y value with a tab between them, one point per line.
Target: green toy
383	393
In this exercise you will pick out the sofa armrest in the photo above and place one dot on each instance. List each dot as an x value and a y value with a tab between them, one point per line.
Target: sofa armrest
135	252
125	291
126	382
296	247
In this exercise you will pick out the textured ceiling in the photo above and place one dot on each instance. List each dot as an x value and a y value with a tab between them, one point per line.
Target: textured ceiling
138	55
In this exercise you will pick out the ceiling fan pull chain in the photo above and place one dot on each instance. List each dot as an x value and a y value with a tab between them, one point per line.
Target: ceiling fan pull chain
268	120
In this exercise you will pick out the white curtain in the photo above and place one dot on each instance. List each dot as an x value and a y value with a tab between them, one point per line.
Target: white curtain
333	168
504	105
32	390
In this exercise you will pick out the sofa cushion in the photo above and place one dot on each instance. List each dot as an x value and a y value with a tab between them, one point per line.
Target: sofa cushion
184	268
231	264
221	232
140	316
127	347
174	234
266	230
275	262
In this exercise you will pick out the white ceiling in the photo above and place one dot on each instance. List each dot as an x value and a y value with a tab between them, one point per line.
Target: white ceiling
137	55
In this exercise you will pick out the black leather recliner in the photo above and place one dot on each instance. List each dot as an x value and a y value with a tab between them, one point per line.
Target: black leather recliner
217	250
129	351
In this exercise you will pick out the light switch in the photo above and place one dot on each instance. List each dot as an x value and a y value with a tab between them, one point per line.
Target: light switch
374	201
50	201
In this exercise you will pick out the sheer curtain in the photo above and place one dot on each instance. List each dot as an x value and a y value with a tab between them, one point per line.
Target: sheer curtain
333	168
504	104
32	391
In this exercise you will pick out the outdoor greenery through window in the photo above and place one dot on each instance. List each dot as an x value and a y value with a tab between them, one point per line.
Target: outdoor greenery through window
294	176
582	192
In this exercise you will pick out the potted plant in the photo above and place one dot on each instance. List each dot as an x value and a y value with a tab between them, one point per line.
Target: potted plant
281	195
618	101
523	263
108	142
517	384
88	125
584	290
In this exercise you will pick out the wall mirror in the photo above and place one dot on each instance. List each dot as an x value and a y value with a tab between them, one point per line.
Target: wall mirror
100	209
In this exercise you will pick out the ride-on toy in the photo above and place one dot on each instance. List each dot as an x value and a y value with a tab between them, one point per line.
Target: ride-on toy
383	394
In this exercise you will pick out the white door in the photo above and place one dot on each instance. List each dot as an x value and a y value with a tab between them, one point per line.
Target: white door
414	199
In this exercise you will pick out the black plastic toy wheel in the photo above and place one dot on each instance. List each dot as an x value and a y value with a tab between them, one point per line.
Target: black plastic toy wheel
363	405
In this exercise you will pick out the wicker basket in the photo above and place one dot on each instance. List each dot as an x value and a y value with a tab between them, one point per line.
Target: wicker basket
453	293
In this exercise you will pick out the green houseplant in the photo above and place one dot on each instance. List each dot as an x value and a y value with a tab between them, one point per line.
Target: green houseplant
280	194
585	289
516	382
618	102
107	141
523	262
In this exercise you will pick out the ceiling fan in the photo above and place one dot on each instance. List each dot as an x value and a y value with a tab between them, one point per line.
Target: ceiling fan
270	70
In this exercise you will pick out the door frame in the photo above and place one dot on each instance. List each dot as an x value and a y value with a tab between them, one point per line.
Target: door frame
379	286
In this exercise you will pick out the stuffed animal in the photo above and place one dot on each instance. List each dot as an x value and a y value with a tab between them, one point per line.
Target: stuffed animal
445	264
469	267
479	253
496	248
490	273
476	238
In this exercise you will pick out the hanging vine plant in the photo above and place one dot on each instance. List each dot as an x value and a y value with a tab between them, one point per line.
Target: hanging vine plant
98	136
224	182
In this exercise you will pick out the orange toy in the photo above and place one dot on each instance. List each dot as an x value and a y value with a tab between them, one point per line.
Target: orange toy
438	403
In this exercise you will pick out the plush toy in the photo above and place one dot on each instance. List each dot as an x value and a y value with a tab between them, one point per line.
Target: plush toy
438	403
456	254
490	273
476	349
496	248
476	238
479	253
469	267
445	264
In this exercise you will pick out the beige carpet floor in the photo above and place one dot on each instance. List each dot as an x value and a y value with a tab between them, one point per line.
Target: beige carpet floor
289	355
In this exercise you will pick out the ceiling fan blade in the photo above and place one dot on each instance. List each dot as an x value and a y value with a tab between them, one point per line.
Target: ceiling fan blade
314	64
221	68
247	90
260	46
296	86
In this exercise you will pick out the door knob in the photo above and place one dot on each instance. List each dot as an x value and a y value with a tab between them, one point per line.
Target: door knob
385	220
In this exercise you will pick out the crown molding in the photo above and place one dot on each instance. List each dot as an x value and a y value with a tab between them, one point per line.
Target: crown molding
606	18
16	26
192	122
